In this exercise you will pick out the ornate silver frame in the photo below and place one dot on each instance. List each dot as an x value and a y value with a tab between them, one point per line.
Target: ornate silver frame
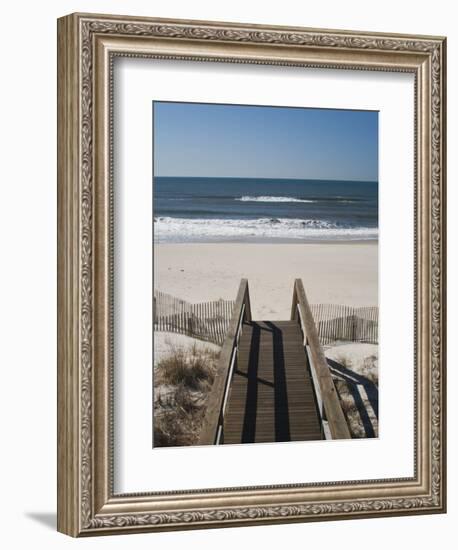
87	44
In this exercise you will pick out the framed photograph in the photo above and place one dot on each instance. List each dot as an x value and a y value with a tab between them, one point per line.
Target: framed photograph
251	290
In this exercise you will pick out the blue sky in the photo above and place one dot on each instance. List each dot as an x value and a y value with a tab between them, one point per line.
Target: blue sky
193	139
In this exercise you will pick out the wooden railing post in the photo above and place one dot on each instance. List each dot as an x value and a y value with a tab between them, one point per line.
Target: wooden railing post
294	304
332	408
246	300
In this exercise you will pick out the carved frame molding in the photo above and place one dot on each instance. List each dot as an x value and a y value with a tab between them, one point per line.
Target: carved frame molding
87	46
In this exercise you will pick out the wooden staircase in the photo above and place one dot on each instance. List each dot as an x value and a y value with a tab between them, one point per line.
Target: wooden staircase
273	382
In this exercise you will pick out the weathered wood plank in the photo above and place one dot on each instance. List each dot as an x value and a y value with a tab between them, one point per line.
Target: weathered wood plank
272	397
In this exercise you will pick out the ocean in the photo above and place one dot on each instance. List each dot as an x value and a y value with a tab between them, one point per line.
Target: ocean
257	210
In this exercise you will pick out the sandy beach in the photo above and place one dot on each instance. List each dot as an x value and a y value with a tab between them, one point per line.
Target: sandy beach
337	273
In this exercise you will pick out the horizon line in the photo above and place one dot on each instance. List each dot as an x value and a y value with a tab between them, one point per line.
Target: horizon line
263	178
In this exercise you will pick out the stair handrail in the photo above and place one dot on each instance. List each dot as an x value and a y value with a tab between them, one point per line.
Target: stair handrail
325	391
212	428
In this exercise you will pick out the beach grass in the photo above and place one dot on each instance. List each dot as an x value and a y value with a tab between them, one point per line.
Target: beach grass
182	381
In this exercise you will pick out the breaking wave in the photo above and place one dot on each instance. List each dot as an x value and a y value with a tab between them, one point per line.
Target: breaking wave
268	198
168	229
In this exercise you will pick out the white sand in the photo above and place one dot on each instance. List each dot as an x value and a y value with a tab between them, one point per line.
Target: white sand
352	353
358	359
338	273
166	342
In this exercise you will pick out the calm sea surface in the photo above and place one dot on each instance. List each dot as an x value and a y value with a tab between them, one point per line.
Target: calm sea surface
239	209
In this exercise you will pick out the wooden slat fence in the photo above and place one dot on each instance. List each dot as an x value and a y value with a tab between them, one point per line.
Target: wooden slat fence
208	321
338	322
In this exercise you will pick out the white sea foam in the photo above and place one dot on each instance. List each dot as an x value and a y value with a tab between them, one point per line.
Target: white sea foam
167	229
268	198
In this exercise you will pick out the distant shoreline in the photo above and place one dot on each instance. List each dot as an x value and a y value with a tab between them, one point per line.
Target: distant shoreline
264	241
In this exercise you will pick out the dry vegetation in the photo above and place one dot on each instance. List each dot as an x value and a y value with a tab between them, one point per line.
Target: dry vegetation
182	381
